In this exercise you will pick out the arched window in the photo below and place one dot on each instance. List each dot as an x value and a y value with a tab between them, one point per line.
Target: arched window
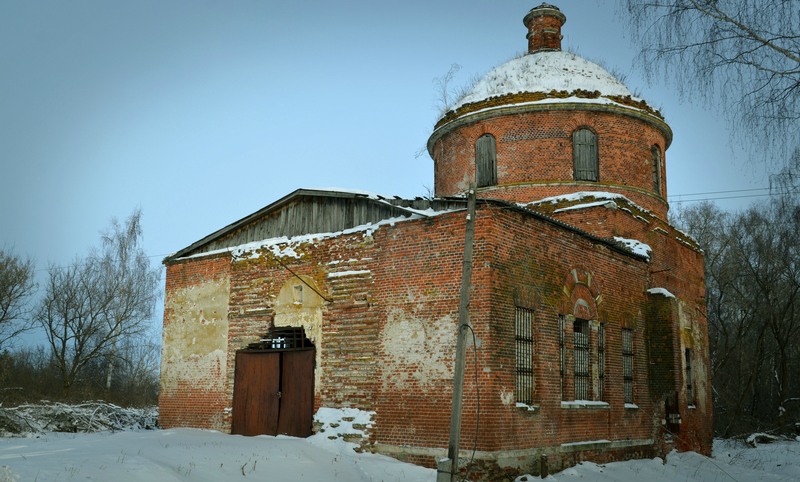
584	155
486	161
656	169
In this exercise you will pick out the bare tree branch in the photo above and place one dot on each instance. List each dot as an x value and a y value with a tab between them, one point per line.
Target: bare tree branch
741	56
99	303
16	287
753	296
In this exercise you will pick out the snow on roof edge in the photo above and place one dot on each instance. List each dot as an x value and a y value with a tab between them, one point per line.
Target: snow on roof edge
635	246
661	291
274	243
577	196
606	203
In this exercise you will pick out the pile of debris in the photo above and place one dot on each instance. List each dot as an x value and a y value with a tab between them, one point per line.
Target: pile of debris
83	417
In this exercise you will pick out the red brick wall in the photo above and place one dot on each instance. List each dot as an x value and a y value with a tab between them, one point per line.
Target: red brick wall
534	156
349	326
534	267
676	264
544	30
388	332
418	278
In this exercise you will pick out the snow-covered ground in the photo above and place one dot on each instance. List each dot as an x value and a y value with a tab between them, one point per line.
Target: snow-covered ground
208	456
190	455
193	455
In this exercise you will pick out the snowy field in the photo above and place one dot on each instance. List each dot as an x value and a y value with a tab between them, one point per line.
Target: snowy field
207	456
190	455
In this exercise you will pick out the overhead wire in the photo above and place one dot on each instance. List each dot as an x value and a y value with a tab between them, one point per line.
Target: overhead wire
714	195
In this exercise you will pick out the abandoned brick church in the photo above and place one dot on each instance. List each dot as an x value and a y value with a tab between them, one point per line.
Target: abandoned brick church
588	307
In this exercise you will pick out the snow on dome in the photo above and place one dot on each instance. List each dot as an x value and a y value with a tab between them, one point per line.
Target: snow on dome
545	71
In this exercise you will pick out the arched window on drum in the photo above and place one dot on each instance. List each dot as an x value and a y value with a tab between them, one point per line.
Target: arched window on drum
486	161
584	155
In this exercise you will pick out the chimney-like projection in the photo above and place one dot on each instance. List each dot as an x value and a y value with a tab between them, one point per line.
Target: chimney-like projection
544	28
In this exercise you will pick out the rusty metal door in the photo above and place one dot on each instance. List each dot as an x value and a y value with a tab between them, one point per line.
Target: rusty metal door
273	393
297	393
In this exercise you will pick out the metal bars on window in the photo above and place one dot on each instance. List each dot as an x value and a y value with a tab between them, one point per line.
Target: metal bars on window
561	352
601	361
523	337
627	364
583	373
282	338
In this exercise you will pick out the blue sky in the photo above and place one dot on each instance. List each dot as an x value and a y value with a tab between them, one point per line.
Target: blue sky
201	112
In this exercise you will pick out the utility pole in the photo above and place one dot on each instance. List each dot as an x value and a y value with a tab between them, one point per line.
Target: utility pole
448	468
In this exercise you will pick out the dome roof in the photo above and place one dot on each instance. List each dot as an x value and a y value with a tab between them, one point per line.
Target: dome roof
543	72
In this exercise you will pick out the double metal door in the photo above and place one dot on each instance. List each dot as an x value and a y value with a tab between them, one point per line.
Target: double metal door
273	392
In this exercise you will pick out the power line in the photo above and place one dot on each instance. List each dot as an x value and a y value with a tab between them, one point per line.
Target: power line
722	192
714	195
720	198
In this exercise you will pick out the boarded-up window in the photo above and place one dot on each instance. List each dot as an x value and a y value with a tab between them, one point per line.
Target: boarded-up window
656	169
582	364
627	364
584	155
523	337
486	161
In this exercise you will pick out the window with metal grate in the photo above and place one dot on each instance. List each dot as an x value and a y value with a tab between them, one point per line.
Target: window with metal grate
627	364
523	338
583	380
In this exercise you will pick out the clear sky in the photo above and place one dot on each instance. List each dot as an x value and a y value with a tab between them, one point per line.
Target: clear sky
200	112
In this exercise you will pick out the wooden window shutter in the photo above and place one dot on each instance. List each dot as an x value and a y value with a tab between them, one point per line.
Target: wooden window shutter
584	155
486	161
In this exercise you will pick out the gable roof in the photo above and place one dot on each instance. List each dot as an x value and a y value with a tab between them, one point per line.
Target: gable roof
311	211
315	211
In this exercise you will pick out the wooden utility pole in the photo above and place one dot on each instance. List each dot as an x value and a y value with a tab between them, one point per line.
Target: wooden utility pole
448	468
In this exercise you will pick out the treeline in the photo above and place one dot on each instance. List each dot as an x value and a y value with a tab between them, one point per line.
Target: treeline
753	307
29	375
96	317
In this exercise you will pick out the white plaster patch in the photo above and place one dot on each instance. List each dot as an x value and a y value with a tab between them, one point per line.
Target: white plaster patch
195	338
306	313
418	350
506	397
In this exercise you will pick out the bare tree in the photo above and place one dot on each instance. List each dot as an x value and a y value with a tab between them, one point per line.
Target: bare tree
99	302
71	315
16	287
753	297
740	55
131	281
445	97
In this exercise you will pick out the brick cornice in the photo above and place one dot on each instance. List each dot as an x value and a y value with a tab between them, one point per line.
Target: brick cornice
542	106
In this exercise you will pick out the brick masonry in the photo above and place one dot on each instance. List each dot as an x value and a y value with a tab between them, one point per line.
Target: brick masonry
534	155
388	336
381	305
